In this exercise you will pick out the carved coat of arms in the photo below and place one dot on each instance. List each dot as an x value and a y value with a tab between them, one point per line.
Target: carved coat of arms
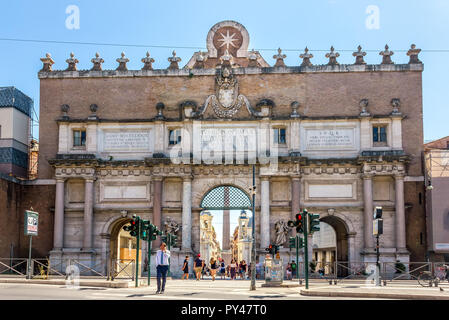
226	101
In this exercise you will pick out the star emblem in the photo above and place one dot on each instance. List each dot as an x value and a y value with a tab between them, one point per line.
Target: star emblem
228	40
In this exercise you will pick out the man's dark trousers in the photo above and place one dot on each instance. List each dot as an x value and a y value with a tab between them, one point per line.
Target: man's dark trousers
161	273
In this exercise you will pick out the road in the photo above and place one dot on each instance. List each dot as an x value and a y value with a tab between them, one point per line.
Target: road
175	290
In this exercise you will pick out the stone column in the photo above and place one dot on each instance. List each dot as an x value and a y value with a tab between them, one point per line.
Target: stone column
351	247
296	194
187	214
88	213
157	208
400	214
264	212
226	222
58	237
368	211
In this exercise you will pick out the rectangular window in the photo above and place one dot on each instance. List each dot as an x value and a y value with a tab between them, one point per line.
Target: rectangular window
380	134
279	135
174	137
79	138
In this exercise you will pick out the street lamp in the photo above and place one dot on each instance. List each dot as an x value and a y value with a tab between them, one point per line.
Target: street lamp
253	226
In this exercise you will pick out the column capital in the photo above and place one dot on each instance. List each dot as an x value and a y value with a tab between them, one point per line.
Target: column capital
60	179
264	178
296	178
187	178
157	178
90	179
399	176
367	176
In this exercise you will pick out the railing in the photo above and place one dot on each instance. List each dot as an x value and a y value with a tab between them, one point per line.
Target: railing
13	266
392	271
122	268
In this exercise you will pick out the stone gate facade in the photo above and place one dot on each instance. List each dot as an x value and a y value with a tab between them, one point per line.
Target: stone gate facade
337	139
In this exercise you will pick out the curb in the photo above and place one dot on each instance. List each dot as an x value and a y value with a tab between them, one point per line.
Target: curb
62	282
372	295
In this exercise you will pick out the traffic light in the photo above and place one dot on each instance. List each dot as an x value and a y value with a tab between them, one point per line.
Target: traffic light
270	249
314	223
298	223
173	240
377	213
144	229
133	227
292	242
275	249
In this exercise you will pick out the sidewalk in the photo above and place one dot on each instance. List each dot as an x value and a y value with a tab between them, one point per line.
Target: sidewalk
364	291
83	282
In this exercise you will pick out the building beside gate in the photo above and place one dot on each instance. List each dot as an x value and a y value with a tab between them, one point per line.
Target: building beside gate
337	139
436	161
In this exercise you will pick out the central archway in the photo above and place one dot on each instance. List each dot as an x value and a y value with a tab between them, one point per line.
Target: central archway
342	246
219	238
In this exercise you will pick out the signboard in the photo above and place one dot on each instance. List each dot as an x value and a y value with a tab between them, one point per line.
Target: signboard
31	223
127	140
442	246
378	227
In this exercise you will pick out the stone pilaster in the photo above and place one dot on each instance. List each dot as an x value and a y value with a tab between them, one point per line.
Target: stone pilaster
187	214
157	207
400	214
58	237
264	212
368	211
88	213
296	195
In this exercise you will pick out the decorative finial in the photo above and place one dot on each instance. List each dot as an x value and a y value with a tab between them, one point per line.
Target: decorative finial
122	63
396	103
413	54
279	59
199	60
306	56
97	61
65	108
160	108
294	105
147	62
386	56
72	61
359	54
93	108
48	62
174	61
363	104
252	57
332	57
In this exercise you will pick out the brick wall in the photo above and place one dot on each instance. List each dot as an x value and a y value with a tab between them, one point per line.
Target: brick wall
15	198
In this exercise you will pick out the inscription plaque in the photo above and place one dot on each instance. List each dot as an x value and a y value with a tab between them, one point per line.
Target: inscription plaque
322	139
127	140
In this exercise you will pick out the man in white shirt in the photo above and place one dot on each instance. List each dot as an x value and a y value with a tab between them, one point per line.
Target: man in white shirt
162	257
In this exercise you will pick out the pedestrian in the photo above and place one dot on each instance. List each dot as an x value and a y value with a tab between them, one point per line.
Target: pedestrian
243	268
233	268
294	267
213	268
198	267
185	268
222	269
289	271
258	270
162	257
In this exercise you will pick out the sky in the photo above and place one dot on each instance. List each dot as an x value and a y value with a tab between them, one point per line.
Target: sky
291	25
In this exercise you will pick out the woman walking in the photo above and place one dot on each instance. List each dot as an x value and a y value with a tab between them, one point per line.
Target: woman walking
243	268
233	267
185	268
222	269
213	268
